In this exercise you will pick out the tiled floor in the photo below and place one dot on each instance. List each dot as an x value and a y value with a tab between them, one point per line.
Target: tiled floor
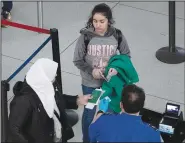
144	24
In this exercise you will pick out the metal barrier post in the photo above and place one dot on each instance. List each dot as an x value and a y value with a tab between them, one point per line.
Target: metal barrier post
5	87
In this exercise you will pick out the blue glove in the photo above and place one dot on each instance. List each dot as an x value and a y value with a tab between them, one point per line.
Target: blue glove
104	104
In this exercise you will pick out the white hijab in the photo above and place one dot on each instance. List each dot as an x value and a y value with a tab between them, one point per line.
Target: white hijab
40	77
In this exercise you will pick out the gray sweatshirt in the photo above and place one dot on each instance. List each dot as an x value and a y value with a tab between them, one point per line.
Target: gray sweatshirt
99	50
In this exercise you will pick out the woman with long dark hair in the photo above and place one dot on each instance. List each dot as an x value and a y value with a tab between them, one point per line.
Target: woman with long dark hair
98	42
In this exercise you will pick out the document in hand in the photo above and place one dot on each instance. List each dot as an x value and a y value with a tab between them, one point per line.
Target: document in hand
96	94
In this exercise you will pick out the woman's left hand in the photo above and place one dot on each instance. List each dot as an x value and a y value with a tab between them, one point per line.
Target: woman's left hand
112	72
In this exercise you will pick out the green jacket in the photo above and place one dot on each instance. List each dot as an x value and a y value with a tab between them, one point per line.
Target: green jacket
126	75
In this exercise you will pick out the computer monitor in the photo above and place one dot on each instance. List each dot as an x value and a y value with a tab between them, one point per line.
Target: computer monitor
172	109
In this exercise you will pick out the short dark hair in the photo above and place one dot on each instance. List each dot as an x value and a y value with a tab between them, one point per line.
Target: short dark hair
101	8
133	98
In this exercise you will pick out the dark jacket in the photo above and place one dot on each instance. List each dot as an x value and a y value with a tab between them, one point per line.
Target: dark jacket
28	120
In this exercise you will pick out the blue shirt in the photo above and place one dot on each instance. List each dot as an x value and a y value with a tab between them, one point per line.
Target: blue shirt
122	128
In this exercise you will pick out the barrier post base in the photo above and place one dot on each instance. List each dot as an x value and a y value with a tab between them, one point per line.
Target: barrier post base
166	56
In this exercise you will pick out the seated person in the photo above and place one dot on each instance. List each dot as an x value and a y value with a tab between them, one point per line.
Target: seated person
37	111
126	126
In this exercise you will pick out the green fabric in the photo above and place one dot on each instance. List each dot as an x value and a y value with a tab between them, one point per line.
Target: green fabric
126	75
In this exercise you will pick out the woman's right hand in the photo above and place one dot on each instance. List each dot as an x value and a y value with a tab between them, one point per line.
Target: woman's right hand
96	73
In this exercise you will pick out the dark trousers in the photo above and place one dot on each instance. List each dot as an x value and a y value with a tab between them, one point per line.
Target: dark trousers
7	6
72	117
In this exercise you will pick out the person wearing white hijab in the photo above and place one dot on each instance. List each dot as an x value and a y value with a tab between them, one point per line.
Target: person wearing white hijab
37	111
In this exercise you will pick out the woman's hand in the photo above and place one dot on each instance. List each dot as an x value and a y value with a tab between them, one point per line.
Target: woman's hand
96	73
83	99
112	72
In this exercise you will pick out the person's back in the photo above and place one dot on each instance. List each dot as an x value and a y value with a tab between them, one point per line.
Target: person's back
126	126
123	128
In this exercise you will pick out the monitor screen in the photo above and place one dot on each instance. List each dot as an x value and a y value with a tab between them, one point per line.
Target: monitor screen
172	109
